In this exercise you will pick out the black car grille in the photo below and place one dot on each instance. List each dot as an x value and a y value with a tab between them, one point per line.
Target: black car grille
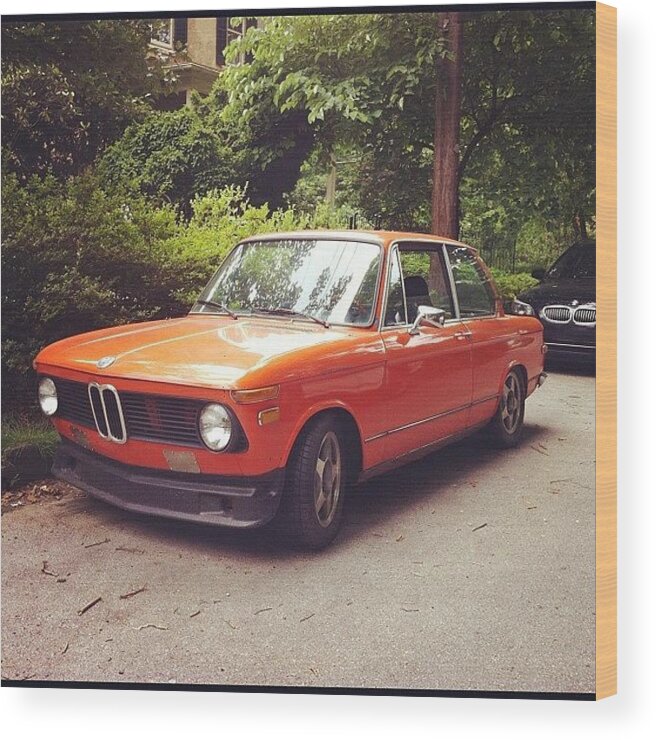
558	314
162	418
73	402
585	315
154	418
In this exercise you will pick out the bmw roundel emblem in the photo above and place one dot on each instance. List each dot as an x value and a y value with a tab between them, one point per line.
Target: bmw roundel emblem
104	362
575	303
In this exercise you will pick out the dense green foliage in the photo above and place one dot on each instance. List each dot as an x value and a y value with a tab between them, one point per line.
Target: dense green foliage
71	88
173	157
74	258
367	84
177	156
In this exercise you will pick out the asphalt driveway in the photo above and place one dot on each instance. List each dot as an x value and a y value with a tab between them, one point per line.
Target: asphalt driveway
472	569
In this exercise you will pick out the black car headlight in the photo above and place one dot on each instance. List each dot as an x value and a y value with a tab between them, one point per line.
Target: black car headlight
519	308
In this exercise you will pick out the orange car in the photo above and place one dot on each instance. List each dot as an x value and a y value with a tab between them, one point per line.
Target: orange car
310	361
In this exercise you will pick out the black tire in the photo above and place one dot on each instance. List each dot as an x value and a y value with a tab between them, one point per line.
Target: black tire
507	426
305	519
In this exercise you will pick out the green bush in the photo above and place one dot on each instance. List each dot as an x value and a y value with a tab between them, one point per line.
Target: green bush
76	258
510	286
219	220
173	157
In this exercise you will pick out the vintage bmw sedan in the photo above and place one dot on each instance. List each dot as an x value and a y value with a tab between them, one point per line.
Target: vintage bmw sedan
311	360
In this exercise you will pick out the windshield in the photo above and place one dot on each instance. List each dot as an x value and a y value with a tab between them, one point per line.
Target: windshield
334	281
576	263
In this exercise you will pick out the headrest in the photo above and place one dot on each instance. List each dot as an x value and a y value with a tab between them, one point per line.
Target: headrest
415	285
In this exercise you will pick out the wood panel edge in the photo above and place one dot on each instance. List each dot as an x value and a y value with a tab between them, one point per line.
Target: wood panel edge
606	382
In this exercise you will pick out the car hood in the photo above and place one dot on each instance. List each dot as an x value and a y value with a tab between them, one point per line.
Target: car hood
207	351
561	292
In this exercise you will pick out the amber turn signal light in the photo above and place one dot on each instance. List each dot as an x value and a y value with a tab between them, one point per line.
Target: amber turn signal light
257	395
268	416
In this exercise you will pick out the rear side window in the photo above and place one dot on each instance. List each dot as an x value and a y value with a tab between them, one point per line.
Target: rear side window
476	295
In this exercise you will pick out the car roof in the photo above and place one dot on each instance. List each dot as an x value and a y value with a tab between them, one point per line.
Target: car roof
359	235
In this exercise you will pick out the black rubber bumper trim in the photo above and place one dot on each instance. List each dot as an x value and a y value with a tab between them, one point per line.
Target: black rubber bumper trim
241	502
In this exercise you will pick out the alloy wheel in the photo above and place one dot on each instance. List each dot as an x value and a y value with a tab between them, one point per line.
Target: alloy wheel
328	479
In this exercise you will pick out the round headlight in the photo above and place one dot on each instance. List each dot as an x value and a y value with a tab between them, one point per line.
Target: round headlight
215	426
47	396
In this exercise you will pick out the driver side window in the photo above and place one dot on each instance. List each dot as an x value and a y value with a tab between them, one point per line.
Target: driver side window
425	278
395	313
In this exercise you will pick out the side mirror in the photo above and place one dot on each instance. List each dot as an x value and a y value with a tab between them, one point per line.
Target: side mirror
539	273
428	315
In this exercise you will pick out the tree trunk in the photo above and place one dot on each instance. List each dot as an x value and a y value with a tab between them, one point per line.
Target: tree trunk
447	128
445	201
580	227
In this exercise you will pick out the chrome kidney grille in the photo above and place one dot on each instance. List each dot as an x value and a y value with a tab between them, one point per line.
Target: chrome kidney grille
107	412
585	315
557	314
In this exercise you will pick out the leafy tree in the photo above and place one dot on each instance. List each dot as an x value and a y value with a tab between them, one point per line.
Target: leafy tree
382	83
175	157
69	88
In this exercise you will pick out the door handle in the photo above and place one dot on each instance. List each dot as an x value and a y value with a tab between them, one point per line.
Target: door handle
462	334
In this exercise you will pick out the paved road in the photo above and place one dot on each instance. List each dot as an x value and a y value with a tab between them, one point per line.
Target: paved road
472	569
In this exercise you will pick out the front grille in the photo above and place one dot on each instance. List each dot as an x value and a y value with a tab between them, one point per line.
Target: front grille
585	315
153	418
162	419
73	402
557	314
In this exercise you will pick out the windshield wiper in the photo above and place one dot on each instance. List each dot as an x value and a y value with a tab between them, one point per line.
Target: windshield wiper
220	306
289	312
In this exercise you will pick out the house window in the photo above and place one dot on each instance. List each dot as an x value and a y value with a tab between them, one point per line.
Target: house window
170	33
162	32
229	30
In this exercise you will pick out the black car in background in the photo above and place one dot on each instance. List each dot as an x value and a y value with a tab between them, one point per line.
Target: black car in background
565	303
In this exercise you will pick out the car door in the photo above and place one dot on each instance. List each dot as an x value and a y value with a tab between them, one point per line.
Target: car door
428	375
493	337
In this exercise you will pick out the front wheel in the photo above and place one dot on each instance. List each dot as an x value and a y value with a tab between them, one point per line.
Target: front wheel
508	423
312	505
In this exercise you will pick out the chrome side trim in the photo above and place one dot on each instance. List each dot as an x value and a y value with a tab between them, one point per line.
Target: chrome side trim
574	346
432	418
418	452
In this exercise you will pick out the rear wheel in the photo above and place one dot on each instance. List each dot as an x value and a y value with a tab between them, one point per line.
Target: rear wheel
508	423
312	505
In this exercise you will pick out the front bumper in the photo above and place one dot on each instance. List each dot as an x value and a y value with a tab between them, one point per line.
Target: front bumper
566	351
242	502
